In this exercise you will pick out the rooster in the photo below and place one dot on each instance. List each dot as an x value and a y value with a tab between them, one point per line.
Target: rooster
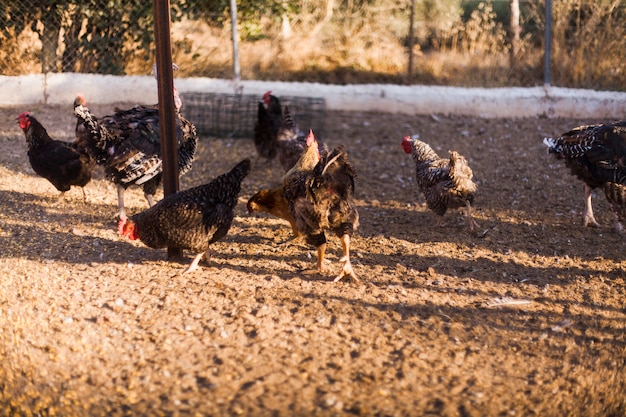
63	164
192	219
445	183
595	154
320	194
269	121
127	143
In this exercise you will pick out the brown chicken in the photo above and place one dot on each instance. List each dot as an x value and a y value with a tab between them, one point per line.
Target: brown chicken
64	164
192	219
320	194
446	183
272	201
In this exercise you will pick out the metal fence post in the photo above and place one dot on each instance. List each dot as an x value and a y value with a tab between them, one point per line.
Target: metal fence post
548	44
235	35
167	121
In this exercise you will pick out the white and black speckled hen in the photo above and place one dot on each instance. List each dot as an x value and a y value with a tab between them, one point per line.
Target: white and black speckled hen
128	145
192	219
595	154
445	183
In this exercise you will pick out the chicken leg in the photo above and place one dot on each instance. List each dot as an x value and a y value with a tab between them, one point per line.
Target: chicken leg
470	219
588	219
346	270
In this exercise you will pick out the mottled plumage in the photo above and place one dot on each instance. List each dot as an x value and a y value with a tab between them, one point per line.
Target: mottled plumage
269	121
321	198
192	219
595	154
445	183
63	164
127	143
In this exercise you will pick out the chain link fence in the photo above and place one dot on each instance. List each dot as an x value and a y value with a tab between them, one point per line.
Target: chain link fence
452	42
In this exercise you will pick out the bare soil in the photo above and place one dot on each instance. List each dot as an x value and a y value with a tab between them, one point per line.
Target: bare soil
525	317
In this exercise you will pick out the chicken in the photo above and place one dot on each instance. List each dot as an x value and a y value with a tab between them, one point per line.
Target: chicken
127	143
445	183
291	142
63	164
595	154
321	198
616	196
192	219
269	121
273	201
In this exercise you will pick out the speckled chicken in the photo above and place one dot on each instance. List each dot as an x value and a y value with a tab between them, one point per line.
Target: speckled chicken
192	219
445	183
127	143
595	154
64	164
269	120
320	192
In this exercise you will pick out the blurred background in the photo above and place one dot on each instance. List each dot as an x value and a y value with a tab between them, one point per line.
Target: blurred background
433	42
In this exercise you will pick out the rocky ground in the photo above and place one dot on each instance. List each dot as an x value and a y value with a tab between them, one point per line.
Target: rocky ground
525	317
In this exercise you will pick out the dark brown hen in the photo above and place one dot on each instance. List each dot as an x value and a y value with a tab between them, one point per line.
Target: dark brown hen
595	154
321	198
127	143
63	164
192	219
269	120
445	183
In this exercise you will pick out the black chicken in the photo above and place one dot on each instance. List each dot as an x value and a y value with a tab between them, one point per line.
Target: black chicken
192	219
595	154
321	198
445	183
63	164
127	143
269	121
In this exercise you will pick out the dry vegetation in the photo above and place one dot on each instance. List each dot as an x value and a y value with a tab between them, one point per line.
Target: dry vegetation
352	42
525	318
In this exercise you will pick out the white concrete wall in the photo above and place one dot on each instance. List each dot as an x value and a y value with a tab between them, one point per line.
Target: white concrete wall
494	102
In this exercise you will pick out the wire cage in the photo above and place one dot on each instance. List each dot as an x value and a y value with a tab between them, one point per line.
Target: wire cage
234	115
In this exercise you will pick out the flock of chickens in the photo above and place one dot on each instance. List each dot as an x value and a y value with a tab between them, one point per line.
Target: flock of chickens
315	194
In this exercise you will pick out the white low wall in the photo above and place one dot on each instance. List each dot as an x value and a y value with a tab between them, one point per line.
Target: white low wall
493	102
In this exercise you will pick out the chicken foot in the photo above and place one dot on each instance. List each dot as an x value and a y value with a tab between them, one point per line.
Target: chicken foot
196	261
346	270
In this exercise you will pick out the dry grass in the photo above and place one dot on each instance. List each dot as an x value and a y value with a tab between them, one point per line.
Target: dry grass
367	44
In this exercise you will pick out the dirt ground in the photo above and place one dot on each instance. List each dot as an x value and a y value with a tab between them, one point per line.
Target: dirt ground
524	318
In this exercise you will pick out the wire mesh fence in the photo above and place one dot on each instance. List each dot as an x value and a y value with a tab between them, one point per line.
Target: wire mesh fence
455	42
234	115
